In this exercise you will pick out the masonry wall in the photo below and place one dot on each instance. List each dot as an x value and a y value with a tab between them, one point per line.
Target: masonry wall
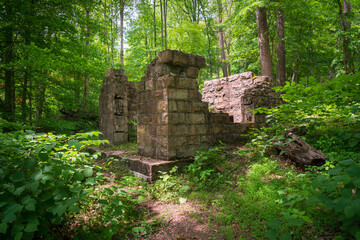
238	94
172	119
117	105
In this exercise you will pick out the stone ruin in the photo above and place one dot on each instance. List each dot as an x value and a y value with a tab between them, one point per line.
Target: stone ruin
117	106
173	118
239	94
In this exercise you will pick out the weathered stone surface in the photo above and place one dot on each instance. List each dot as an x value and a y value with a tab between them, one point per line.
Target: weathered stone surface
173	97
239	94
117	106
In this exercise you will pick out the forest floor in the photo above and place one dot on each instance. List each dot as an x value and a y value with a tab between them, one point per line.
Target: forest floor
239	206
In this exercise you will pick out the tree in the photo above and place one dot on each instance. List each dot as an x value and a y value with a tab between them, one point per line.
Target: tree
264	46
280	48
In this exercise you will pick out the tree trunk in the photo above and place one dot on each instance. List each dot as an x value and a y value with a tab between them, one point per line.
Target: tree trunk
40	99
86	79
162	23
300	151
264	46
165	22
221	42
280	49
9	101
122	7
344	11
155	27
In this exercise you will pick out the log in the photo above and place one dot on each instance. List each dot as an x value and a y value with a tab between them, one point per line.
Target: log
300	152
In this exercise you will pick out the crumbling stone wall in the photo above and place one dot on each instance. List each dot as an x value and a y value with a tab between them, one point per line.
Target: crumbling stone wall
117	105
172	119
238	94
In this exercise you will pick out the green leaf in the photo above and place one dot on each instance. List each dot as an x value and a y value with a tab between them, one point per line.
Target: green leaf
74	209
78	176
44	157
312	200
30	163
31	227
19	190
114	221
30	207
285	236
2	174
90	181
38	175
59	210
3	227
306	219
274	224
18	236
88	172
349	212
357	235
182	200
335	170
17	177
34	186
75	143
353	171
356	182
271	234
294	222
108	191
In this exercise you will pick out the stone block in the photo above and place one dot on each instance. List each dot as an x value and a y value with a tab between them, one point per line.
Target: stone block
177	141
152	130
176	118
200	129
184	106
193	140
145	118
156	95
192	72
186	83
165	57
162	130
140	129
178	94
194	95
166	81
196	118
178	130
149	85
164	118
172	106
161	106
180	58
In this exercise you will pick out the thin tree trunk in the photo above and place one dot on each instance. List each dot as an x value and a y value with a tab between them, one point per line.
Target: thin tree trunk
221	41
162	23
122	7
155	27
165	22
86	79
294	77
344	10
264	46
40	100
9	76
280	49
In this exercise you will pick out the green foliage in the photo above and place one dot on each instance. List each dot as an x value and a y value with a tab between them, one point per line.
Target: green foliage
337	190
170	187
203	171
43	177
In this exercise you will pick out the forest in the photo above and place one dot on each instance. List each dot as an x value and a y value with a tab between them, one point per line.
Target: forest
53	57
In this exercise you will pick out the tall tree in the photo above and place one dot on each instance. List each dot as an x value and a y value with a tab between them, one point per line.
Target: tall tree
280	48
122	7
264	46
221	39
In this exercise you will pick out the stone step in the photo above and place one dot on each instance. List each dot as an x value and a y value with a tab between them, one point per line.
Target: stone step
143	167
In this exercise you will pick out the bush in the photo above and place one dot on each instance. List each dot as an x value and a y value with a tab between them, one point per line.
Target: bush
43	176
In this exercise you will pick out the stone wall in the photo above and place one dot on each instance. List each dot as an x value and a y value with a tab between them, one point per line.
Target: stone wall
238	94
117	105
172	119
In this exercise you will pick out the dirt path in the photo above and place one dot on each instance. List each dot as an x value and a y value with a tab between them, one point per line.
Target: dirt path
180	221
